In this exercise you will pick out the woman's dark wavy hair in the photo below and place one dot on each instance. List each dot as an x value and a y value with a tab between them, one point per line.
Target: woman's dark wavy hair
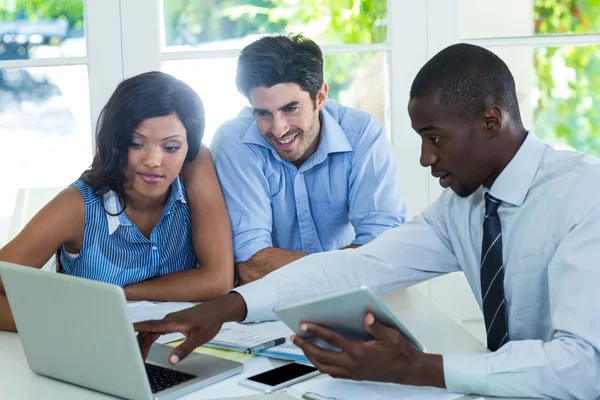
148	95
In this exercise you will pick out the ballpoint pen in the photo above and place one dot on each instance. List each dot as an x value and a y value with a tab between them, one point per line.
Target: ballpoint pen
265	346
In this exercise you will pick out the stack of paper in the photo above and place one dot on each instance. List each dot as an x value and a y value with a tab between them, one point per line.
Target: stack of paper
233	336
340	389
239	337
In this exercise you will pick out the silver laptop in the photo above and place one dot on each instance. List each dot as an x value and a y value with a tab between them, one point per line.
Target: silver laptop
78	331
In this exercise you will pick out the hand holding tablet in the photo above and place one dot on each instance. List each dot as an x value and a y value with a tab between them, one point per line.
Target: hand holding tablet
343	312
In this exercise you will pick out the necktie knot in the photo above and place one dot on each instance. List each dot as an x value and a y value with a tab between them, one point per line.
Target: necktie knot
491	204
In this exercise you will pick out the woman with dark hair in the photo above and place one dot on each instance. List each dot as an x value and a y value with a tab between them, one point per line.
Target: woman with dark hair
127	221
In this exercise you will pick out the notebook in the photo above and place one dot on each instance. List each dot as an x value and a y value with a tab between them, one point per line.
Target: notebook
233	336
239	337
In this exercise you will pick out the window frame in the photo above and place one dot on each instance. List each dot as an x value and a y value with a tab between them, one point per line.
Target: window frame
103	55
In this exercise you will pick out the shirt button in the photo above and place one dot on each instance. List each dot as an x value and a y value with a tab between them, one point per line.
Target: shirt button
154	248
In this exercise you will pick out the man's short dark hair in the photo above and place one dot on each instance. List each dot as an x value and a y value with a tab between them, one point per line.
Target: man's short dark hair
467	79
272	60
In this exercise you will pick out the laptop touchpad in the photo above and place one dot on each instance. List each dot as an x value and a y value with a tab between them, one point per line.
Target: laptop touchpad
201	365
159	354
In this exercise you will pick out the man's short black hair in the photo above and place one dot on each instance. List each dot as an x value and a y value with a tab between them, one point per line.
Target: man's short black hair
467	79
272	60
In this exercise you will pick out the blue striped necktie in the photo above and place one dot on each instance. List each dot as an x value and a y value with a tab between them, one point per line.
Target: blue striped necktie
492	277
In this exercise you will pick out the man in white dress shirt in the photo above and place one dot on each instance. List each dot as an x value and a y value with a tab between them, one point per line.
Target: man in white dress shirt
520	219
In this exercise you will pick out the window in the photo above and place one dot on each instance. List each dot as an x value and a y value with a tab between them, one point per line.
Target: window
45	128
212	30
555	58
231	24
565	87
513	18
46	29
361	85
358	80
220	97
44	111
53	79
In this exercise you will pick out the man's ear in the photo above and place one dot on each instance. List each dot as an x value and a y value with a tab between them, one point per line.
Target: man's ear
322	96
493	120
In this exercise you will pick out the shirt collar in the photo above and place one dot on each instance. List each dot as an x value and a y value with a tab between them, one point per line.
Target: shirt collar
332	139
177	192
112	205
514	182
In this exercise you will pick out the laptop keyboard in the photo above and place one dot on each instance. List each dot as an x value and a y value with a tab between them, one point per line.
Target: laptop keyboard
163	378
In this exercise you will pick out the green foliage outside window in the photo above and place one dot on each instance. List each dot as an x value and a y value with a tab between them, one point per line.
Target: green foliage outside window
568	114
33	10
337	21
194	22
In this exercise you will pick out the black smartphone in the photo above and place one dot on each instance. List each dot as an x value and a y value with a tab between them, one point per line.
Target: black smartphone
279	378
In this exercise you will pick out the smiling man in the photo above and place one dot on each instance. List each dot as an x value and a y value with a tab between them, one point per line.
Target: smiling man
301	174
519	218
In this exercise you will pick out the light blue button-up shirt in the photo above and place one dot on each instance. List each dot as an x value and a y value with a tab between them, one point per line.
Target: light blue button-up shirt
346	193
550	216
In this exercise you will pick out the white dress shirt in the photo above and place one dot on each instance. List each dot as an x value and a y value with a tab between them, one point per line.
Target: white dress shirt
550	219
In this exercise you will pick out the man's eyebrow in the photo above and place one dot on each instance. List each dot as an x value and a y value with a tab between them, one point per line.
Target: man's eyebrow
427	128
288	105
292	104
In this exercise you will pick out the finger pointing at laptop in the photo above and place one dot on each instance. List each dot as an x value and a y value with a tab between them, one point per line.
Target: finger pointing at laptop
199	324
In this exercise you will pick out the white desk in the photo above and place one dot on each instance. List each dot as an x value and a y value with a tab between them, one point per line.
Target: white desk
438	332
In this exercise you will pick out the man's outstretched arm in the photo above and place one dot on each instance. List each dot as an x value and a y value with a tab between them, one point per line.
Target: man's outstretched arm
264	262
384	265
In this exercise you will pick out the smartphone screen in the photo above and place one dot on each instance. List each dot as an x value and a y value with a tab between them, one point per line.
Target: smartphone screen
283	374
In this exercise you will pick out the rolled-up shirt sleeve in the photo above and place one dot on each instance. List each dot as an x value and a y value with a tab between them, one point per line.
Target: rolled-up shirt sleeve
375	197
246	192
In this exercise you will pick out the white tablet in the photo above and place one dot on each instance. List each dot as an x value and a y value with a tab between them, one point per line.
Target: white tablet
343	312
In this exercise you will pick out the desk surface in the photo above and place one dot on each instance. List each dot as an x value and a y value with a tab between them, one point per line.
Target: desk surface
436	330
